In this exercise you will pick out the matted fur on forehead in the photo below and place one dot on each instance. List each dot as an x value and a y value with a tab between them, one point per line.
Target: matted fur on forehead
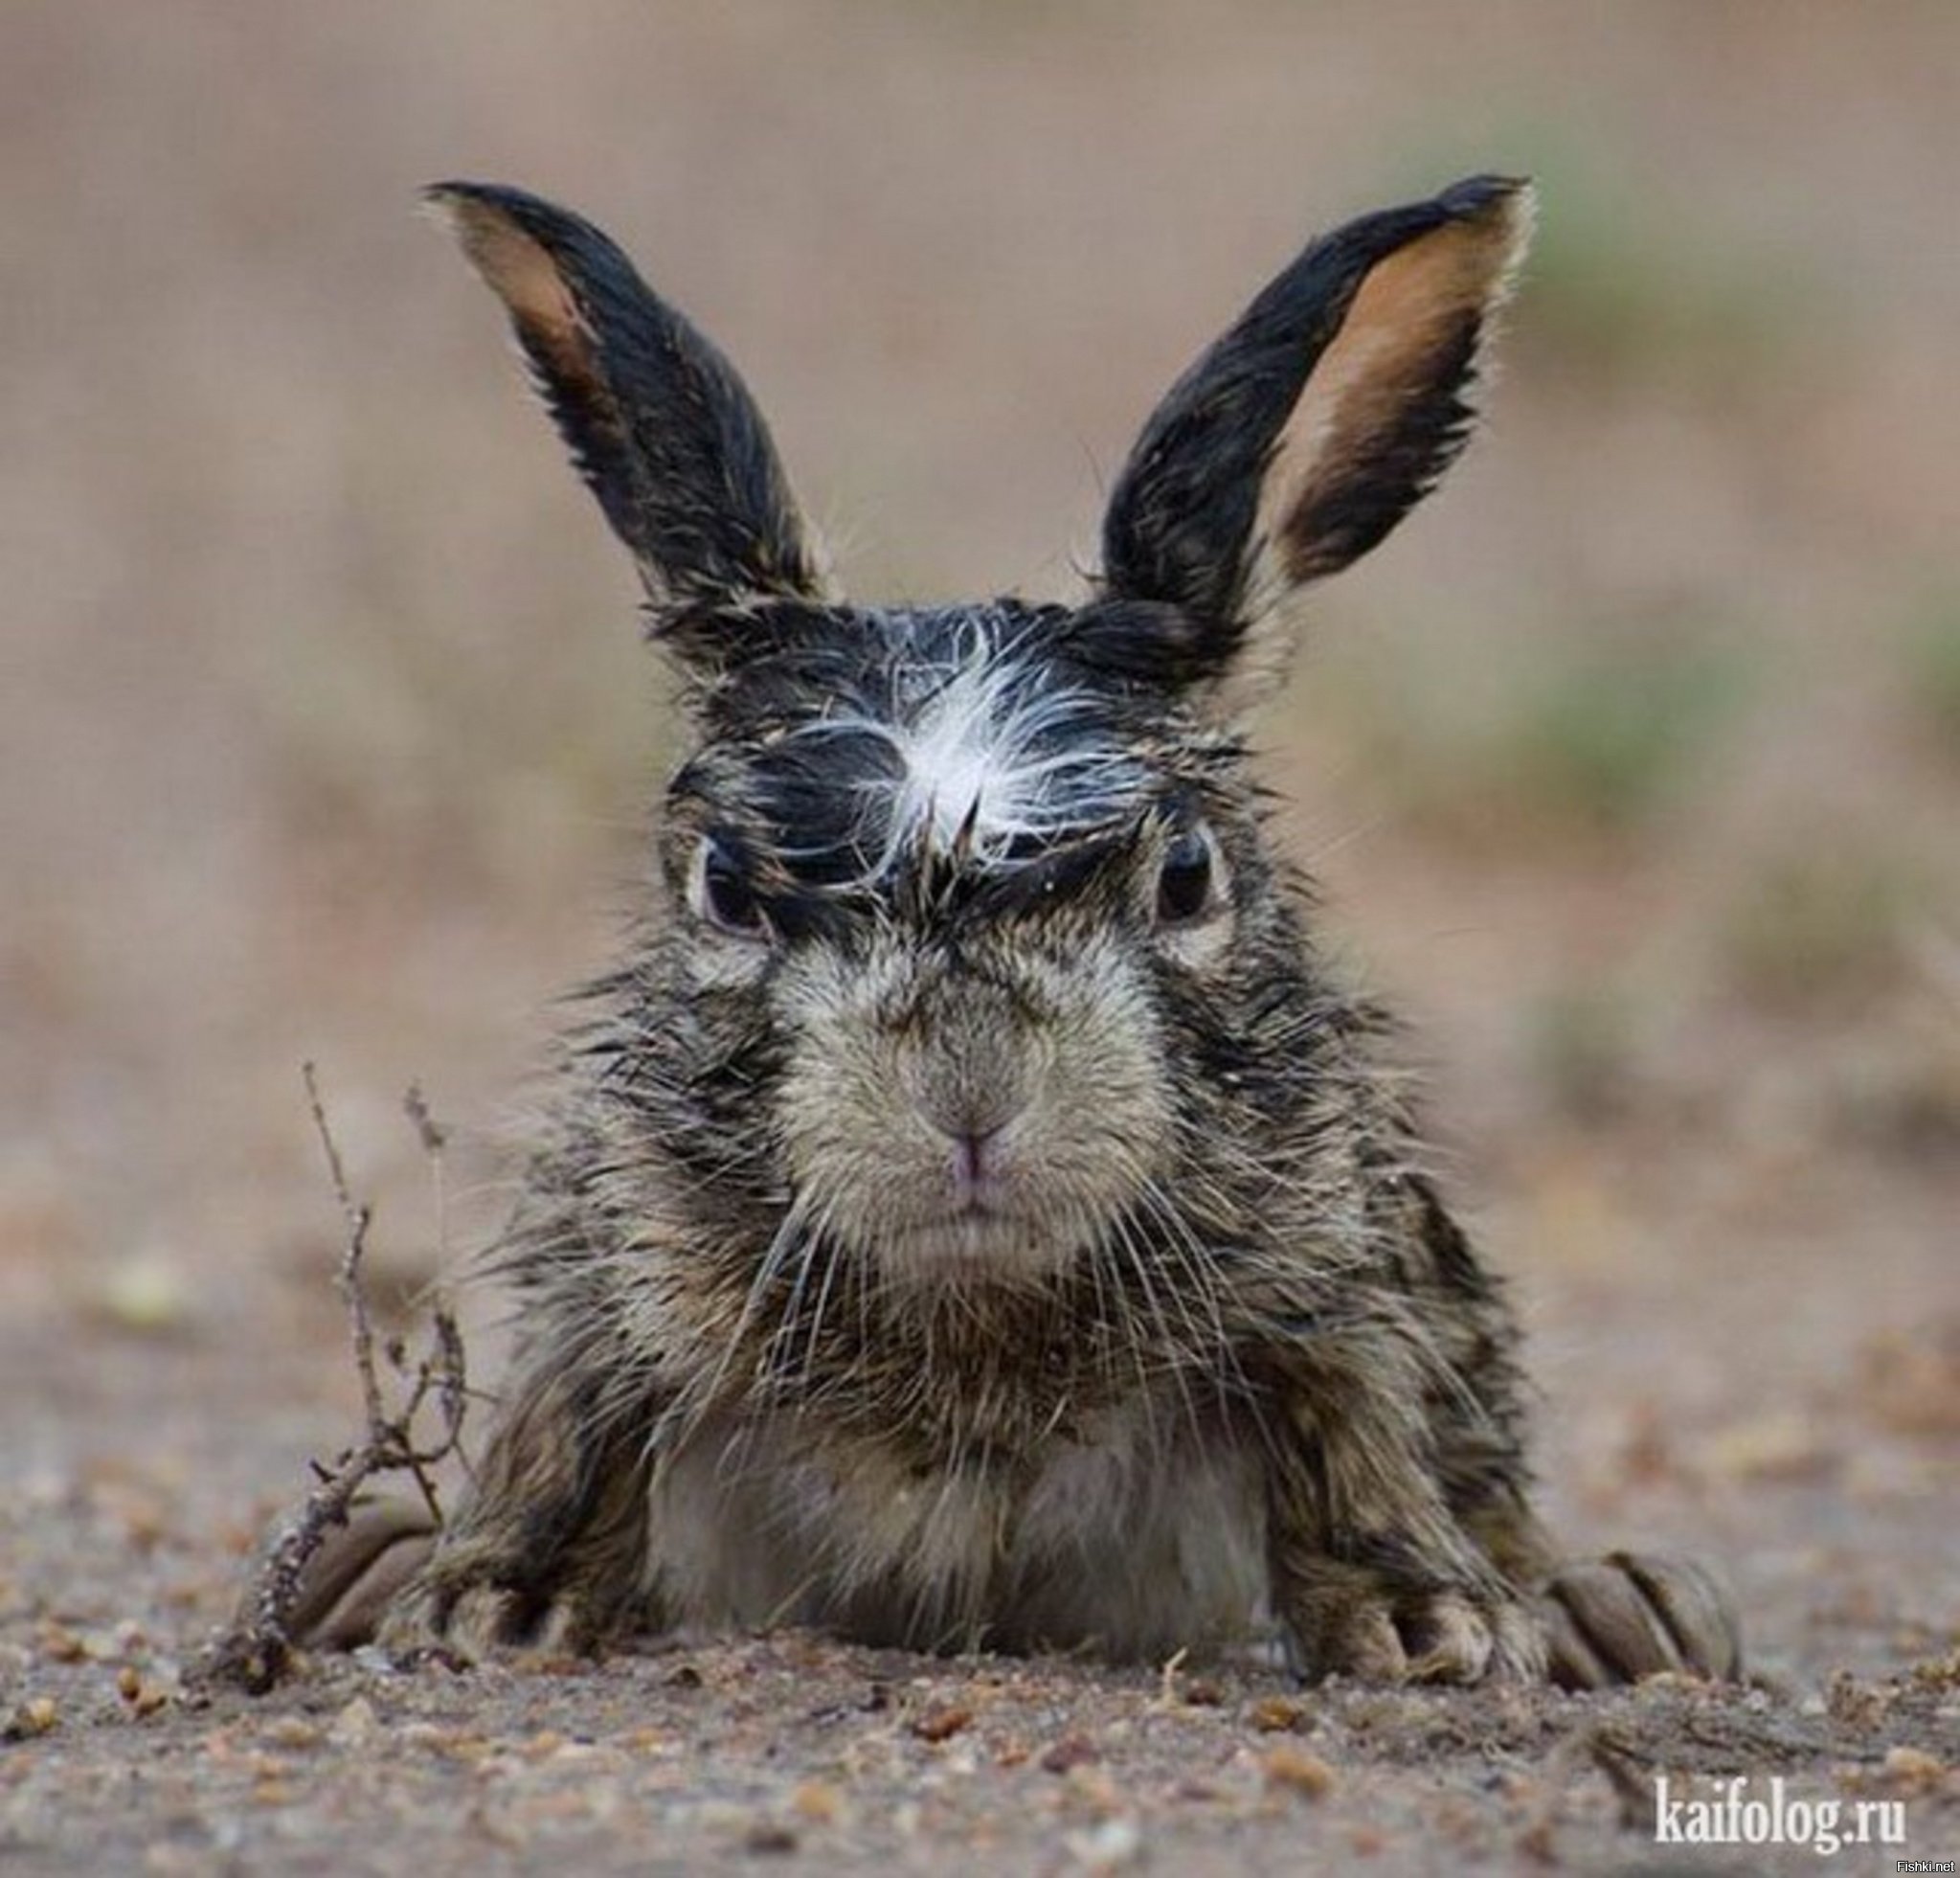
855	738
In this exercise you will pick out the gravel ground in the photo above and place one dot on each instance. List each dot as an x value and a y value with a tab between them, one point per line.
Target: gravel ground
1630	770
148	1460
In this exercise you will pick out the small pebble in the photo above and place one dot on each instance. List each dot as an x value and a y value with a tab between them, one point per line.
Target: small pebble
143	1696
37	1715
61	1644
1070	1752
942	1721
1107	1846
1914	1768
1294	1768
354	1725
146	1293
293	1732
1278	1714
817	1801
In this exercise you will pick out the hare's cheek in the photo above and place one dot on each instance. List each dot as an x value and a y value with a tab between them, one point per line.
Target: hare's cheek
1105	1095
1202	946
839	1122
717	962
848	1135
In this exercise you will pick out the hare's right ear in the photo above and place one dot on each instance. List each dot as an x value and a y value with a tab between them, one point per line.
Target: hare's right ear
1300	439
660	426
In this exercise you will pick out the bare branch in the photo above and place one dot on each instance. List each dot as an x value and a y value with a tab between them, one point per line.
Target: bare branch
255	1651
434	1138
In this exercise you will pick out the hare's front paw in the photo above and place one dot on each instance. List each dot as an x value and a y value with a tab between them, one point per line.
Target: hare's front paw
347	1586
469	1604
1631	1615
1377	1632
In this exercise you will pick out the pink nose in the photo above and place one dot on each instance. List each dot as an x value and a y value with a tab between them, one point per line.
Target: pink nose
976	1159
977	1127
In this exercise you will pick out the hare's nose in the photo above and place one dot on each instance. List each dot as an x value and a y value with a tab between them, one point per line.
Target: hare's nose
975	1122
973	1119
976	1159
979	1161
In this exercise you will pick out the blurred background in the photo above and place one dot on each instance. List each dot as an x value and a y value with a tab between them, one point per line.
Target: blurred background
1629	764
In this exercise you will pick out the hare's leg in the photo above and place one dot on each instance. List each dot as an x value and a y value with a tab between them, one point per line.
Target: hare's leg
1372	1573
548	1551
1612	1621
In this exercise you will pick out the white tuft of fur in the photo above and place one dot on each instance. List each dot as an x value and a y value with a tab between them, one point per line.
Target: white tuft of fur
991	752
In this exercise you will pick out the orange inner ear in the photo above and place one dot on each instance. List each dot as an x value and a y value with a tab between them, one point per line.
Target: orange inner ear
1403	319
522	274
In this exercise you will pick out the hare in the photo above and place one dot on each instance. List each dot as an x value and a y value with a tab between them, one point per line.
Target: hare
976	1215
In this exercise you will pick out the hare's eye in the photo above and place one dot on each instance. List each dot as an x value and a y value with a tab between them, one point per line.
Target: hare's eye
1184	879
718	893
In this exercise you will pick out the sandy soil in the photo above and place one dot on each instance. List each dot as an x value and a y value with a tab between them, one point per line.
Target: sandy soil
324	734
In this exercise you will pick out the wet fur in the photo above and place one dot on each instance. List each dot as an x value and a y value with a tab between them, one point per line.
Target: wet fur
1219	1363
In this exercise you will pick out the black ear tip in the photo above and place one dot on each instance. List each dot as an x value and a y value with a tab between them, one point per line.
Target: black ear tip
459	205
455	193
1511	199
465	206
1469	193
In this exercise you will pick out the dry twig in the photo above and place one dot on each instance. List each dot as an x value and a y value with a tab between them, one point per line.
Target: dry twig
255	1651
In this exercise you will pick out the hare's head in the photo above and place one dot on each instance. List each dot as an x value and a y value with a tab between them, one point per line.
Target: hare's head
974	956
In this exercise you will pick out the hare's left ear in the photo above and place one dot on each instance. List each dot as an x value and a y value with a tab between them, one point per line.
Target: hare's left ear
1301	437
658	424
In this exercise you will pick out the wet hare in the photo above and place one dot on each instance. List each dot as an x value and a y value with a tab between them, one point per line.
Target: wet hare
975	1213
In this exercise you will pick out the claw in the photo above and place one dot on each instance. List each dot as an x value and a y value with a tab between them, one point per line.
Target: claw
1368	1647
348	1584
1633	1615
489	1621
1571	1662
1458	1644
1693	1607
1433	1637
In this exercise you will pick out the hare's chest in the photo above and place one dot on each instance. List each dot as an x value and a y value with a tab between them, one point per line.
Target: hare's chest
1130	1534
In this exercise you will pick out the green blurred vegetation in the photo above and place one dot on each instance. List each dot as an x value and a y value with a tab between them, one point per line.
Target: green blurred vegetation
1819	927
1595	735
1579	1046
1931	651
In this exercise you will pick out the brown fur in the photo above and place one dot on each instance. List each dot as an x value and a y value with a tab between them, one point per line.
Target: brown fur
976	1215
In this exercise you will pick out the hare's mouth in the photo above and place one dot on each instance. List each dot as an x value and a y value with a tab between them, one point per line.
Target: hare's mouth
970	1241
